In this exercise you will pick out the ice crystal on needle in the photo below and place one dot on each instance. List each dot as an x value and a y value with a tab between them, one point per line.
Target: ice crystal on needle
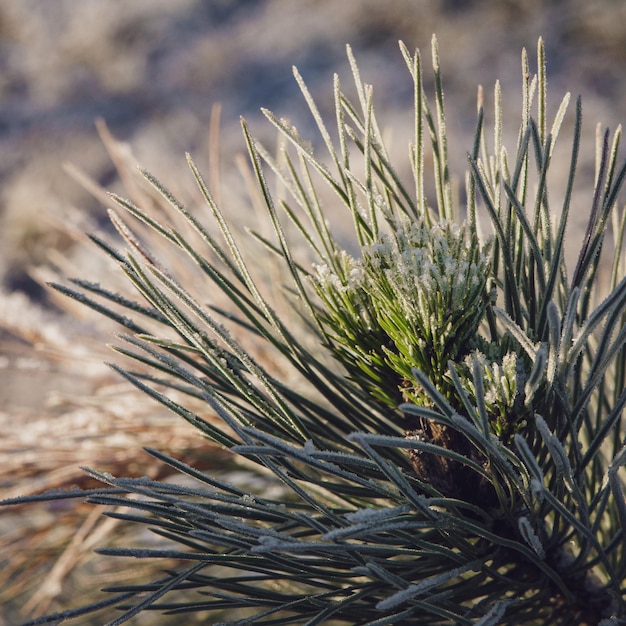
419	292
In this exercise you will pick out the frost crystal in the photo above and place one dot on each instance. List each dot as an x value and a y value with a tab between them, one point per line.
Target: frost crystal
414	300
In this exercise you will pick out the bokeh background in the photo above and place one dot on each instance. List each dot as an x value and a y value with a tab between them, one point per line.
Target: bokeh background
153	71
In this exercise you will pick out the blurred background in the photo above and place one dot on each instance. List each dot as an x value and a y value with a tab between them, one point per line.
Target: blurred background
153	71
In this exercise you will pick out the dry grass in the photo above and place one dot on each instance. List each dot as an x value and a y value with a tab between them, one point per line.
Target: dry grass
48	549
79	414
65	410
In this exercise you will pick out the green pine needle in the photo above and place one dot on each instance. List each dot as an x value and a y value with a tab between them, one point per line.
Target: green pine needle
454	450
